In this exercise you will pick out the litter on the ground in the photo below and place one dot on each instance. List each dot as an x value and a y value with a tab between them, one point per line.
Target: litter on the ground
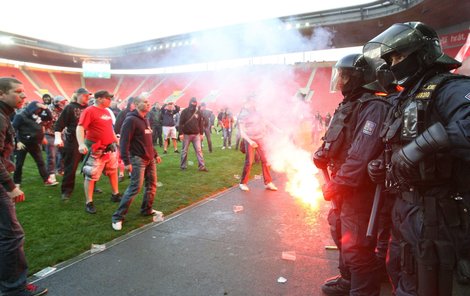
331	248
281	280
95	248
159	184
44	272
289	255
237	209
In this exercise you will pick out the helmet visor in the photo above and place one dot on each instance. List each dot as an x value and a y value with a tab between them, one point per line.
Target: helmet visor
339	78
399	38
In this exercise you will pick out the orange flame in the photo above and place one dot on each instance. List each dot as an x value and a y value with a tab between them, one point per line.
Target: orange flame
298	166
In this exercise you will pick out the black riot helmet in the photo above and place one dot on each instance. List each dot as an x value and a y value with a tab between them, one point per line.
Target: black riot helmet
351	73
416	44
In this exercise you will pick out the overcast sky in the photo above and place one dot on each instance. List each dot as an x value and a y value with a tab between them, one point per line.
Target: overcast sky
102	23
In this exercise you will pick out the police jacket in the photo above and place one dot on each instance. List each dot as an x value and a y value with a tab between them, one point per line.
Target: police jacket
443	98
353	138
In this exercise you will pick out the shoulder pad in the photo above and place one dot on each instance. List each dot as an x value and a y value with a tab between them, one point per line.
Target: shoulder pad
368	97
426	91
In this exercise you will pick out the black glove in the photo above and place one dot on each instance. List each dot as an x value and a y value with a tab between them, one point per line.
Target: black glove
405	162
376	171
320	160
332	190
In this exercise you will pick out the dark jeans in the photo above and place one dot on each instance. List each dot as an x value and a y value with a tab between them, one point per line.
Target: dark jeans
250	157
53	156
71	160
227	133
196	140
36	152
142	171
207	132
157	135
13	265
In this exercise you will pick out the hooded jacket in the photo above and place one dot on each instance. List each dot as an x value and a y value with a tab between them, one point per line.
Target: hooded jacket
191	121
28	124
136	138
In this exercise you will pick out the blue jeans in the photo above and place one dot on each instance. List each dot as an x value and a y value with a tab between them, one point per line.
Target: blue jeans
196	140
142	170
53	156
13	265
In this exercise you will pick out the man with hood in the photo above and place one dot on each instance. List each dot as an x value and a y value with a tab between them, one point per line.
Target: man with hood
140	158
29	128
191	131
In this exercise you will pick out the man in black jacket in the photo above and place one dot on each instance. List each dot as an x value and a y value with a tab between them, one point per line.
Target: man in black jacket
13	265
67	123
29	130
140	159
191	130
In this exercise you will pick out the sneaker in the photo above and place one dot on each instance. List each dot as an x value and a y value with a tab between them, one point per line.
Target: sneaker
270	186
116	197
223	147
117	225
52	177
50	182
33	290
203	169
336	286
65	197
121	178
229	147
243	187
97	190
90	208
176	151
165	152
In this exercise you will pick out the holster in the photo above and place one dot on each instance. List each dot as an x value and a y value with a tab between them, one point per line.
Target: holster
428	268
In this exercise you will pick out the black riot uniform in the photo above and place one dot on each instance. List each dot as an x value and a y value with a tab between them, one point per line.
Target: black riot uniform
427	136
352	140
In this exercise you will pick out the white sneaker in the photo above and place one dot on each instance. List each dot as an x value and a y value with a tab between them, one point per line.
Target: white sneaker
117	225
229	147
223	147
52	178
243	187
270	186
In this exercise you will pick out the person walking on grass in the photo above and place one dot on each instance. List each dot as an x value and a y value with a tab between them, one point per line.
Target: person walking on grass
140	158
13	265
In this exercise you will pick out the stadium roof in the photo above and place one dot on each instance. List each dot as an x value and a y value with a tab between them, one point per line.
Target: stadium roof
93	24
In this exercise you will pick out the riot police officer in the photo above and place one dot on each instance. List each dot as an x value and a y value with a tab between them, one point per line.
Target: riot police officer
352	140
427	136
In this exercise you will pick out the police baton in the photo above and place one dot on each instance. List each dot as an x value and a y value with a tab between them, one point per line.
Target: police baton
374	211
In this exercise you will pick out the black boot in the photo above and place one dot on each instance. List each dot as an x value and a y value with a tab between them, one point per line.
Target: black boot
336	286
